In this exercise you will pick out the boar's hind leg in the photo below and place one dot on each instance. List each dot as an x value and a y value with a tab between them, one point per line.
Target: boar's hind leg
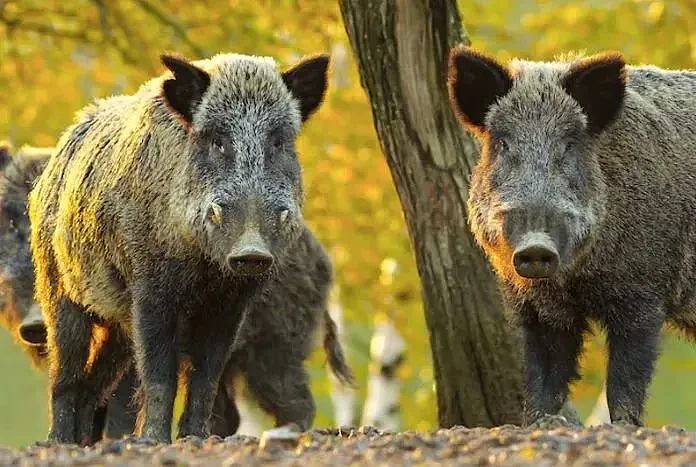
225	418
281	389
106	368
99	423
69	340
122	408
212	338
633	351
551	355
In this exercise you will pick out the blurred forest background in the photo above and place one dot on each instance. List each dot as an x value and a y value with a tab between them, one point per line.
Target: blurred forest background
57	56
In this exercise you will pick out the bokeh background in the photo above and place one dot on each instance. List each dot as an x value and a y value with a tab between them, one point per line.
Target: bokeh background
56	56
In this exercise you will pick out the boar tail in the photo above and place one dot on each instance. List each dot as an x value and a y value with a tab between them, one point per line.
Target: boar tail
334	350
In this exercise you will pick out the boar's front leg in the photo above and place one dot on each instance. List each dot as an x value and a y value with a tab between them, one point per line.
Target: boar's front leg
551	356
155	315
633	349
69	341
212	336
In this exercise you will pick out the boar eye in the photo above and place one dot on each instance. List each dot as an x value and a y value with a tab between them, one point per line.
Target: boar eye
569	146
218	146
276	141
501	145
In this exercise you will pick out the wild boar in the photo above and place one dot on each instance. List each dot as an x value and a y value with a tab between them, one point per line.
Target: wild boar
160	217
584	200
276	339
286	314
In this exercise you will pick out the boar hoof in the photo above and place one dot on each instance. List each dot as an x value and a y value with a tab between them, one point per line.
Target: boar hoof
549	422
143	441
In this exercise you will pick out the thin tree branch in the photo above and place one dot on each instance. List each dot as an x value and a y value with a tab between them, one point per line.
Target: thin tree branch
109	33
46	30
165	18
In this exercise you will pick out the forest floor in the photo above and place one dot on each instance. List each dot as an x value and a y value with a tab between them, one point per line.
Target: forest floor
553	442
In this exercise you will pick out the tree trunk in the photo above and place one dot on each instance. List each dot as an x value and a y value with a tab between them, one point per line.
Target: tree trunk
402	48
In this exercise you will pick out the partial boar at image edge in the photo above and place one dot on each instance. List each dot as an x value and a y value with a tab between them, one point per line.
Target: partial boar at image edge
584	203
139	244
20	312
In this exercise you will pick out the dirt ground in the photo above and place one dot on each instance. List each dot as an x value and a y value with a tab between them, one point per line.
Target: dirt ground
552	442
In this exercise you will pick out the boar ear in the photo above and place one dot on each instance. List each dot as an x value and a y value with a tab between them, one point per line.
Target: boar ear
5	154
307	81
598	84
475	82
184	92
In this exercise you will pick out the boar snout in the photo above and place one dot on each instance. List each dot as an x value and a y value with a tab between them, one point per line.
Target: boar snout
250	255
32	329
250	261
536	257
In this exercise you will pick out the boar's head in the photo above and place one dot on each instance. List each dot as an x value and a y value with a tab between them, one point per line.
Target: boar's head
538	192
242	117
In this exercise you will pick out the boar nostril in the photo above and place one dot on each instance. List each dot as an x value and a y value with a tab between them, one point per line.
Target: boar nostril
250	262
535	261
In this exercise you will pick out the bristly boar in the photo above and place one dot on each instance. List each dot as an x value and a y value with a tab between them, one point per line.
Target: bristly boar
584	200
19	313
287	315
160	216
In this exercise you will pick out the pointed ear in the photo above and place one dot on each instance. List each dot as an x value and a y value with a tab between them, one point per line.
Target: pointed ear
184	92
5	154
307	81
475	82
598	84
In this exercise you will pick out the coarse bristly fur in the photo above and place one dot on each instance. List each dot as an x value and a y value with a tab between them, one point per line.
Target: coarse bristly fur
161	216
595	160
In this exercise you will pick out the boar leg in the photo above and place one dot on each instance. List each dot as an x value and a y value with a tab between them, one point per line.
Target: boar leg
69	342
281	388
156	355
122	408
99	423
633	351
225	418
551	356
212	337
105	370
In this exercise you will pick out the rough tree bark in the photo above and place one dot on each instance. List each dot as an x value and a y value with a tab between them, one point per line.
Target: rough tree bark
401	48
